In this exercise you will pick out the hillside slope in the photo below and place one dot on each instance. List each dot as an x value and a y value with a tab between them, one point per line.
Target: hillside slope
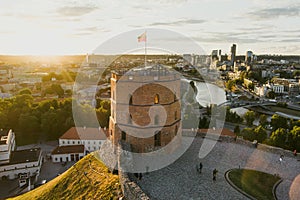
87	179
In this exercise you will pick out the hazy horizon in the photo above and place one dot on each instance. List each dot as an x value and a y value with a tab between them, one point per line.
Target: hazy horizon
72	27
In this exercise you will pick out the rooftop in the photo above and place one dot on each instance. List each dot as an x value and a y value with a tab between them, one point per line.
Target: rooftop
151	70
23	156
68	149
83	133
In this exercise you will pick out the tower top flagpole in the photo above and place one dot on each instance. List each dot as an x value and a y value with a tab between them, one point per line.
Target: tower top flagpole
143	38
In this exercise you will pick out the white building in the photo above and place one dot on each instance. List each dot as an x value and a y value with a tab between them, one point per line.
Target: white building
68	153
77	142
261	90
278	89
7	145
13	163
23	161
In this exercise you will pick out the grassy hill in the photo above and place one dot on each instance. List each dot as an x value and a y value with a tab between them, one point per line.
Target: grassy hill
89	178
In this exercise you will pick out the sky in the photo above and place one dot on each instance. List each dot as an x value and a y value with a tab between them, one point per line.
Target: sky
57	27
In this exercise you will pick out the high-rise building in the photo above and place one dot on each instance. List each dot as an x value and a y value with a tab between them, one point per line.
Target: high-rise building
220	55
87	58
233	54
249	57
188	59
214	55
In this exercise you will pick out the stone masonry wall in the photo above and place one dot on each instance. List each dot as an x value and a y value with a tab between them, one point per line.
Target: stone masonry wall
130	189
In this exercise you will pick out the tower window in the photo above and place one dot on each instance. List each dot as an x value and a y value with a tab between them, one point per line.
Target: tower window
156	99
130	100
176	130
123	136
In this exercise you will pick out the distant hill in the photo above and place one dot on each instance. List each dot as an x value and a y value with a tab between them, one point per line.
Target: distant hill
87	179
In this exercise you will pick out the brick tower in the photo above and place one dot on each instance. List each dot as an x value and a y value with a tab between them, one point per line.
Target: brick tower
145	108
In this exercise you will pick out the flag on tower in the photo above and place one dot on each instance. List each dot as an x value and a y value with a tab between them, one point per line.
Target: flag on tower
142	38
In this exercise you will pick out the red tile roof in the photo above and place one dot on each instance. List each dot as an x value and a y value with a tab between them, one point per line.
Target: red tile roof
82	133
68	149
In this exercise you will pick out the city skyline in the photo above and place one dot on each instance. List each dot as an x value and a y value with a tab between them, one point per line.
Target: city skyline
74	27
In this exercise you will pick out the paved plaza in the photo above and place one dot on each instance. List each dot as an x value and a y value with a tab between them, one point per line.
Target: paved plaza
180	180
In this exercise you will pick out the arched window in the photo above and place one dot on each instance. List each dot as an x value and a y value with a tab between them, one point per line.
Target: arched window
175	96
176	130
130	99
156	99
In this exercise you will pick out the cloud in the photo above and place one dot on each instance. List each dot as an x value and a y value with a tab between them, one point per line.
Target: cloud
89	30
217	38
179	22
293	40
71	11
292	31
271	13
228	37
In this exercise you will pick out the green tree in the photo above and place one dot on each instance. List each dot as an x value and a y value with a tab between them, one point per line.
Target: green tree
230	84
296	73
25	91
260	134
58	90
278	122
50	76
294	123
271	95
103	117
279	137
28	123
55	89
263	120
295	138
5	107
232	116
247	134
237	129
249	117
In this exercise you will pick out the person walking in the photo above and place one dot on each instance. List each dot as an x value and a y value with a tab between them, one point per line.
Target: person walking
200	167
281	159
215	171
